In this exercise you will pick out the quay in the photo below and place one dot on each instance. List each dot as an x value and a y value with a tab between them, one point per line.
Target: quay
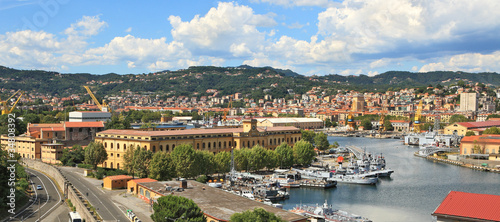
317	183
460	163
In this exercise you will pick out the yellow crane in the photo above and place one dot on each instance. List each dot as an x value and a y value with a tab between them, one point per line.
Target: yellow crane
381	127
350	121
418	118
5	108
104	107
229	106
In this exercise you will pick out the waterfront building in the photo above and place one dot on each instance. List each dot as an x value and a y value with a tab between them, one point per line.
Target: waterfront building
461	206
481	144
116	142
461	128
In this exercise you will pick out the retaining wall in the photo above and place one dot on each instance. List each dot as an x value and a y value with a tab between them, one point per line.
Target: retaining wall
69	191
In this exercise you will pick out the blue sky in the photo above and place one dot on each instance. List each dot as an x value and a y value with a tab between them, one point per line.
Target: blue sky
310	37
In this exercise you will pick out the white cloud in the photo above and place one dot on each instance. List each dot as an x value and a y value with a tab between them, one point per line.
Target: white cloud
380	63
291	3
87	26
222	27
469	62
295	25
129	29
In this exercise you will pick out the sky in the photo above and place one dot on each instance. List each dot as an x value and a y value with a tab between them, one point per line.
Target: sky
310	37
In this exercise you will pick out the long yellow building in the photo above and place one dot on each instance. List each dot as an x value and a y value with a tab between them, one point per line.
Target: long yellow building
116	142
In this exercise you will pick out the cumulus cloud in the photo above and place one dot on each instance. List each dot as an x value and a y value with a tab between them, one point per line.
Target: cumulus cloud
469	62
292	3
87	26
221	29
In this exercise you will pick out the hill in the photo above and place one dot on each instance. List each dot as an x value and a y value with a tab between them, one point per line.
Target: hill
252	81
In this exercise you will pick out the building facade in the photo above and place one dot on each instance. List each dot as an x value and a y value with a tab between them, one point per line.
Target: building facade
89	116
116	142
301	123
358	103
468	102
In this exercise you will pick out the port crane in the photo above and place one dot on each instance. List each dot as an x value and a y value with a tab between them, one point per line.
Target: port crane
418	118
104	107
230	106
350	121
5	108
381	127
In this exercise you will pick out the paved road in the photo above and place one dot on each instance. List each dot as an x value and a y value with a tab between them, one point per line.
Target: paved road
96	196
45	201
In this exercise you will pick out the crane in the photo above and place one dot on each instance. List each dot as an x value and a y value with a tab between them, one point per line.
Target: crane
5	108
381	127
104	107
418	117
350	121
230	106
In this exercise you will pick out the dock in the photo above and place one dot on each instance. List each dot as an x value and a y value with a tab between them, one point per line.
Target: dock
317	183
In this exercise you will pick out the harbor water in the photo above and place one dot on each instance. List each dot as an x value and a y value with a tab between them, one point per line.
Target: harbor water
412	193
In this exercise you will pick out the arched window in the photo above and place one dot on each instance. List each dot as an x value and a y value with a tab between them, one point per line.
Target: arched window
154	149
220	144
173	147
105	164
197	146
111	145
118	166
225	144
111	165
167	147
105	145
161	148
203	145
214	145
209	145
118	146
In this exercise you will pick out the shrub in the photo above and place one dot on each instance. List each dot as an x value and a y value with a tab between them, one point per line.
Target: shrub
86	166
202	179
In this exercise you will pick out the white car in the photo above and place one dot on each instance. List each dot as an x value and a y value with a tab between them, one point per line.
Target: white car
38	187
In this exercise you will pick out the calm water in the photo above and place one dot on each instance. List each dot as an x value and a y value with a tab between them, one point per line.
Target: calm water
412	193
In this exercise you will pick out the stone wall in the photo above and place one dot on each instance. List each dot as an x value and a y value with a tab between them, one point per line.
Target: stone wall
69	191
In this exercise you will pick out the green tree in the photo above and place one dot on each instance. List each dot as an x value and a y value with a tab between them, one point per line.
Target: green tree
72	156
142	160
257	158
367	124
271	160
118	122
284	154
95	154
470	133
161	167
328	123
321	141
308	135
303	153
205	162
31	118
458	118
175	208
492	130
258	214
388	126
129	160
222	162
493	116
184	160
241	157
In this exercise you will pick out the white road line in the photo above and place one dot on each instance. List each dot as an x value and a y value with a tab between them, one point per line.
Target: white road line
57	191
48	198
33	202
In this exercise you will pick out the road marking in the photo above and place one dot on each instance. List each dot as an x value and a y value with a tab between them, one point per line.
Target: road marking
33	202
57	191
48	198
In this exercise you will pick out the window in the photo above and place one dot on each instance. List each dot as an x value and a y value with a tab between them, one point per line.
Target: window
111	154
224	144
173	146
118	165
220	144
167	148
111	145
214	144
154	149
118	146
197	146
161	147
208	145
118	155
203	146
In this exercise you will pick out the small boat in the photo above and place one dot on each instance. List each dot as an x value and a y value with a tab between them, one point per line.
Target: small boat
326	212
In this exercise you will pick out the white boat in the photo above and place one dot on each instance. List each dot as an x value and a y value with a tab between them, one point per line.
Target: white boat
216	185
326	212
353	179
248	194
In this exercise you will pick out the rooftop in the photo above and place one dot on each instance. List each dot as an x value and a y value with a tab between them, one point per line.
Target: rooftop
119	177
218	203
190	131
485	124
470	205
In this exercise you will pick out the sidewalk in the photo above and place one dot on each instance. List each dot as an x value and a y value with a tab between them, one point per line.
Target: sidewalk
131	202
59	214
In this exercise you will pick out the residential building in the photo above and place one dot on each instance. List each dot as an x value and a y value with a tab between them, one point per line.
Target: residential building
461	128
358	103
89	116
480	144
468	102
301	123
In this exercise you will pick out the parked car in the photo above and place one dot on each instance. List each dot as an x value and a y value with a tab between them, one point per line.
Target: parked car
38	187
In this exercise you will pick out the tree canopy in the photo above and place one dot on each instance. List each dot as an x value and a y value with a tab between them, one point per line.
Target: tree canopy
176	208
258	214
95	154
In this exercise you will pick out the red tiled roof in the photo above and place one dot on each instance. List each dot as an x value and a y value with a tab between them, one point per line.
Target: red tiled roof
190	131
480	124
470	205
53	129
84	124
119	177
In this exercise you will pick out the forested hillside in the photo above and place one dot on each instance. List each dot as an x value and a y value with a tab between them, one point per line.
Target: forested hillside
255	81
